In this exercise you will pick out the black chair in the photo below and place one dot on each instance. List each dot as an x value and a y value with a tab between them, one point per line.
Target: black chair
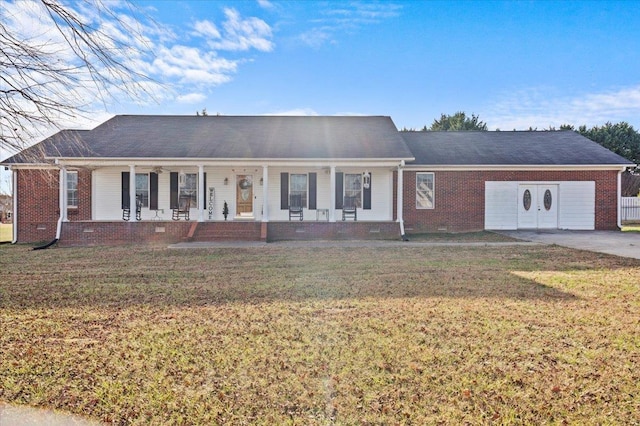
126	212
350	208
183	208
296	208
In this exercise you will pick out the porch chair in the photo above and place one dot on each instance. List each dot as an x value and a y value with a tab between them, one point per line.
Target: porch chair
184	204
350	208
295	206
126	212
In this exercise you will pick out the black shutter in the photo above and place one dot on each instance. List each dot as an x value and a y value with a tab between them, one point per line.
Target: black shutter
312	190
173	187
153	191
339	188
125	190
284	191
366	203
205	192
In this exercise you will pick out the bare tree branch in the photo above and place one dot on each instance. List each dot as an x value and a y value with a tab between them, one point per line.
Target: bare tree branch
75	61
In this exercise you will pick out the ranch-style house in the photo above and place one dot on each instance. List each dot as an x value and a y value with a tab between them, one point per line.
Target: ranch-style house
169	179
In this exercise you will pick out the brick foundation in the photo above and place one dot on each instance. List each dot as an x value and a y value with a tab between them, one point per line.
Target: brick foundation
279	231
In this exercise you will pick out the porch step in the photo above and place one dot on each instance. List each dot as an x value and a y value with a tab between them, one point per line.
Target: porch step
227	231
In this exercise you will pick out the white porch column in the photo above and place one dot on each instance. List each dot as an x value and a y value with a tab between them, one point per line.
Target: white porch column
14	191
265	193
399	197
132	190
201	193
63	194
332	200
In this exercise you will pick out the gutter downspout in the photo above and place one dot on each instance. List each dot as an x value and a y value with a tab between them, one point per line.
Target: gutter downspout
14	184
62	202
63	208
619	200
400	201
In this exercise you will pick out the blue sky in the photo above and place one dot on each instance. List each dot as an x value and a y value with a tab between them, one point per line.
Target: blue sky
515	64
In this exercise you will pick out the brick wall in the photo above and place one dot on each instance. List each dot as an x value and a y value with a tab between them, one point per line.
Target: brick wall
38	203
119	233
459	198
348	230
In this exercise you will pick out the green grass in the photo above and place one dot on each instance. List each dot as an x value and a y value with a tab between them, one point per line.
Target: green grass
406	335
6	232
631	228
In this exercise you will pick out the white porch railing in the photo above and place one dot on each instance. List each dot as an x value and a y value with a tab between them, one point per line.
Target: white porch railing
630	208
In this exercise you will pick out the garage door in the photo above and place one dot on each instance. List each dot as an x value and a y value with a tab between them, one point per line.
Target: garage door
538	206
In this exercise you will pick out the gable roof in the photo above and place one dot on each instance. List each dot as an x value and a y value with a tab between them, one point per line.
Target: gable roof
65	141
233	137
508	148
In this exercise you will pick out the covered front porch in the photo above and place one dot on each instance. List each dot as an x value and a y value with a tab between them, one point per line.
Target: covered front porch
170	203
146	191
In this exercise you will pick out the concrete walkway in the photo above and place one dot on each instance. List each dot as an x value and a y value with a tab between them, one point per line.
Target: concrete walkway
625	244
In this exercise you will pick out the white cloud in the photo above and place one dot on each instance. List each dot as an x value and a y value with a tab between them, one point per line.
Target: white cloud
191	98
348	17
265	4
241	34
544	107
206	29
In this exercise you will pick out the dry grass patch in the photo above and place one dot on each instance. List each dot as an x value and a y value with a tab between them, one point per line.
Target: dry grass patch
322	336
6	232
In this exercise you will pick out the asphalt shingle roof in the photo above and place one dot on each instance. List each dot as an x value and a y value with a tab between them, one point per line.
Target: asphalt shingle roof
507	148
235	137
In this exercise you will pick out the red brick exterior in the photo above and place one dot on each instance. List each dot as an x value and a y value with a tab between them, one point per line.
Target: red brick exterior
459	198
278	231
119	233
459	207
38	203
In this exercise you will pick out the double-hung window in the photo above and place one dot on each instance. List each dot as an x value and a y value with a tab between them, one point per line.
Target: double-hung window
425	185
188	187
298	186
353	187
72	189
142	188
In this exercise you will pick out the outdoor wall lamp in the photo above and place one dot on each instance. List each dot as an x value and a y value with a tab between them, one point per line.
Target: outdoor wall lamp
226	181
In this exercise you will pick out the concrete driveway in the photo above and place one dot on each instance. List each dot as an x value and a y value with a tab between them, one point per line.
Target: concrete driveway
625	244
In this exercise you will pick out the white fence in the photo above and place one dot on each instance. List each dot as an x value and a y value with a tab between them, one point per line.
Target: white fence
630	208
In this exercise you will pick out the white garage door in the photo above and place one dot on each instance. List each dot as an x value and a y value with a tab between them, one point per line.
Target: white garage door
540	205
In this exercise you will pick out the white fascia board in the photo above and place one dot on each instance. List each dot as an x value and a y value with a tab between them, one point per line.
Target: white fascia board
231	162
31	166
498	167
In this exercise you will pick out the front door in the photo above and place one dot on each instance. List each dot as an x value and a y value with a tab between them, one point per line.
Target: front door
538	206
244	195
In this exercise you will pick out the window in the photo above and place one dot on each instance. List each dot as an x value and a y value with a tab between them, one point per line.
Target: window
353	187
189	187
424	190
142	188
72	189
298	186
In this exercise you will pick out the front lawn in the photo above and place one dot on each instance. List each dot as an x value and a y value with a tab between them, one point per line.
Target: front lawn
277	335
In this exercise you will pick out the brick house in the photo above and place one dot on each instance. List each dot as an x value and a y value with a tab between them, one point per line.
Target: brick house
177	178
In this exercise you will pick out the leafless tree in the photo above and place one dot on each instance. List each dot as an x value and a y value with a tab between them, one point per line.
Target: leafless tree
80	53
